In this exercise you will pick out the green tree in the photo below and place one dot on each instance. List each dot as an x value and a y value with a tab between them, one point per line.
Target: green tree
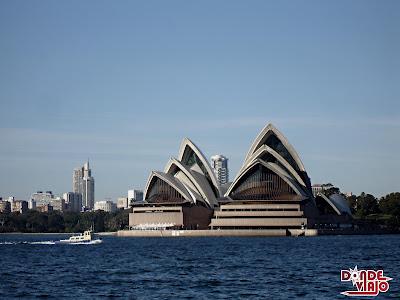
55	222
117	220
329	189
366	204
390	204
36	221
71	222
352	201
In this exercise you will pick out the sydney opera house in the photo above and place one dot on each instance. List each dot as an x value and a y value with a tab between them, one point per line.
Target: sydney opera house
272	190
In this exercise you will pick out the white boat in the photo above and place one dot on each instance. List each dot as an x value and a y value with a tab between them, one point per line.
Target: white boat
85	238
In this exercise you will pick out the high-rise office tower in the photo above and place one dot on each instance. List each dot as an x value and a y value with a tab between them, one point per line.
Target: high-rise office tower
77	180
219	163
83	183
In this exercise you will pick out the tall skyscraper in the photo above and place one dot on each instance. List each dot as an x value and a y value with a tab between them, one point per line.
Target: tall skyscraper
77	180
83	183
219	163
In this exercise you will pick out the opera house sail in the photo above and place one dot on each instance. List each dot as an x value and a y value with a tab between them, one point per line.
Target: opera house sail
272	190
183	196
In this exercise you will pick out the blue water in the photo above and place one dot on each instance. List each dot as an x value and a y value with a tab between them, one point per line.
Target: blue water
192	268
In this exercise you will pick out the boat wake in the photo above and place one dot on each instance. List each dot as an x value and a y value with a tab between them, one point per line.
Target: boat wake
28	243
42	243
94	242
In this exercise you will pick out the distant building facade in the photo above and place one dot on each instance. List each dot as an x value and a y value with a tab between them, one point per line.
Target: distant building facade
42	198
5	206
318	188
58	204
219	164
31	204
83	183
73	201
107	206
20	206
44	208
123	203
135	196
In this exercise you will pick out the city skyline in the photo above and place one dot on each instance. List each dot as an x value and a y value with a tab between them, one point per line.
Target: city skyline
124	84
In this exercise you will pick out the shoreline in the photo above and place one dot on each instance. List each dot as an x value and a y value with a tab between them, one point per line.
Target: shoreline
221	233
218	233
53	233
35	233
249	233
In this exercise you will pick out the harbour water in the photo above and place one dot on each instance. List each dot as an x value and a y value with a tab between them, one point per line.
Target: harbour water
192	268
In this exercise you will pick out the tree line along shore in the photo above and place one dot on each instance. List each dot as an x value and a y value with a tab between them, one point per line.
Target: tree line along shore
67	222
368	211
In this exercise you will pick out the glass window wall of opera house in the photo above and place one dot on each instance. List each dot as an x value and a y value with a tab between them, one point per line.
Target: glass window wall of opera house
272	190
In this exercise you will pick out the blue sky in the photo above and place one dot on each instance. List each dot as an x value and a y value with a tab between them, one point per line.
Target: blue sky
123	82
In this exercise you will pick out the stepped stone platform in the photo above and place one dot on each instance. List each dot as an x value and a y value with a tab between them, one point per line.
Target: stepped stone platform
217	233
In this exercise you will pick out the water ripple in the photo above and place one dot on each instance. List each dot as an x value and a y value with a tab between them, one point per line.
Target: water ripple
191	268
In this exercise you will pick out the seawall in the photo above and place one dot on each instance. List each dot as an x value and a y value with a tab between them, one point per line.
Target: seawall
217	233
